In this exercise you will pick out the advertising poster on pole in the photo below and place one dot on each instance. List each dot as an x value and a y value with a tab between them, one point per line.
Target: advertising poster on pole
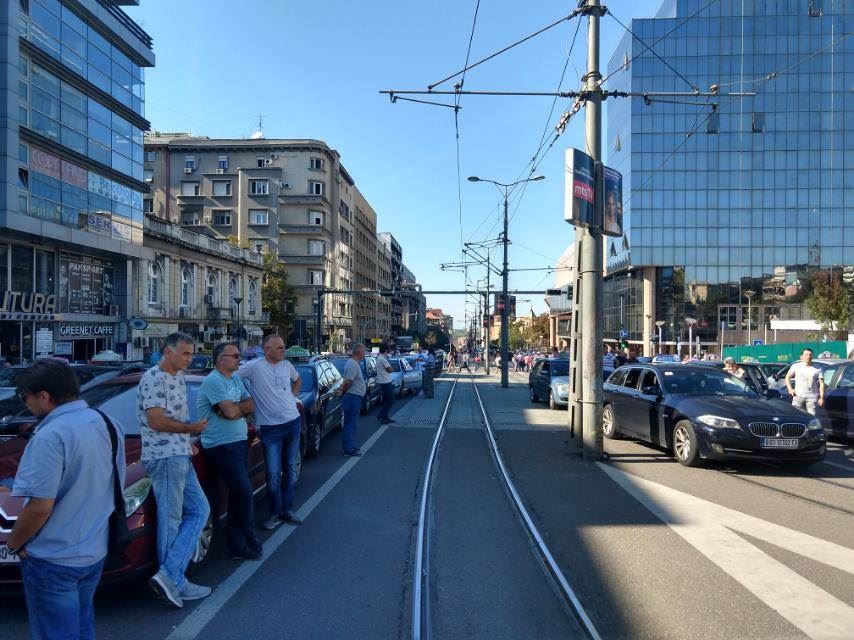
579	190
613	189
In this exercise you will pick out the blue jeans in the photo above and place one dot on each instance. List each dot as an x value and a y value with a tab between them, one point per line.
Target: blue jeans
352	404
182	511
231	464
59	598
281	444
387	400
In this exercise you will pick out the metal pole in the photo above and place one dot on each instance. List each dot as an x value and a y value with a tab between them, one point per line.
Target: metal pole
318	320
749	321
487	317
505	310
591	254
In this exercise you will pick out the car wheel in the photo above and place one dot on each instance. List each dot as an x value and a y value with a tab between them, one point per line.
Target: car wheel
609	426
315	435
685	446
203	546
533	395
552	404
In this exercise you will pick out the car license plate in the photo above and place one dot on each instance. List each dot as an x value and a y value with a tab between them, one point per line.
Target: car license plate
6	557
779	443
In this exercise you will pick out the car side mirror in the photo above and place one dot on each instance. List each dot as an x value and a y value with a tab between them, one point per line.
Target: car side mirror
651	391
773	393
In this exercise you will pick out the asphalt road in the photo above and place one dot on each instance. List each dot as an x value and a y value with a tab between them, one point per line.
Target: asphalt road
651	549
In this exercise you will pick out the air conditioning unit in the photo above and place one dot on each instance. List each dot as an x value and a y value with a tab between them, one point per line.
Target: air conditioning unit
184	312
114	310
220	170
273	156
209	299
268	162
285	185
188	170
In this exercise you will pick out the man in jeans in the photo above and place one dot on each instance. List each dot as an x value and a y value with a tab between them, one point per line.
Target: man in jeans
182	508
352	391
224	402
809	384
386	385
66	476
275	383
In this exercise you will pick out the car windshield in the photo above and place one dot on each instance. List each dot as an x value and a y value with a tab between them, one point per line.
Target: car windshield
560	367
340	364
9	377
711	382
306	374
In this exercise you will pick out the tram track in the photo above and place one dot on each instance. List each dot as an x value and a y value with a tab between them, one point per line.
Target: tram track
423	574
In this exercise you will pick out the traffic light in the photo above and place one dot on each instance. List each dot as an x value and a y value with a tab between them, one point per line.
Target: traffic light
624	344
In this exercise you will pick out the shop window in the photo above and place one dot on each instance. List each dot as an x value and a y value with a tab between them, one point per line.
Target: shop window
155	280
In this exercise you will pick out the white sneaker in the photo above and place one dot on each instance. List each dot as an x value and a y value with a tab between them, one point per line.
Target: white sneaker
192	591
165	589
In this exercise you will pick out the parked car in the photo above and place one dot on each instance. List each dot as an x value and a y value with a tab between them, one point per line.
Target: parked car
663	358
700	412
549	381
754	376
778	381
369	373
323	411
404	377
117	398
9	379
201	362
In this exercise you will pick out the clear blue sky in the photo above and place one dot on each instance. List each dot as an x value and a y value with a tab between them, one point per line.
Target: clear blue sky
314	71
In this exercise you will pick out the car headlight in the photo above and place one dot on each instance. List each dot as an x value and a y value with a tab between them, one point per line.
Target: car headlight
814	425
718	422
136	494
561	387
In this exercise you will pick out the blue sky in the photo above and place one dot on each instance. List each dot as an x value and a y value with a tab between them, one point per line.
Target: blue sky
314	71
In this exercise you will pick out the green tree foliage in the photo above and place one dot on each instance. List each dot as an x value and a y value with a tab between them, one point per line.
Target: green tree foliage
535	331
515	339
435	337
829	303
277	296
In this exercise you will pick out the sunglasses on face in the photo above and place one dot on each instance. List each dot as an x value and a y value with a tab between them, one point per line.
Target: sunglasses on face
22	395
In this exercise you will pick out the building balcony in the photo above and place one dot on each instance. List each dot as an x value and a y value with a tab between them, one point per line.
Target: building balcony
175	233
302	259
191	199
219	314
305	230
303	198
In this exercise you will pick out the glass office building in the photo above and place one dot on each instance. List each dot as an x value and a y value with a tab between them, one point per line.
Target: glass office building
732	206
72	155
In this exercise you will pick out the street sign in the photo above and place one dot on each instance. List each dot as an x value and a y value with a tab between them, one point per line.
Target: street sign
579	190
624	335
758	343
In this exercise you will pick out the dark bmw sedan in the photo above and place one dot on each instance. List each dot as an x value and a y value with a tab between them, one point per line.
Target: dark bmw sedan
701	413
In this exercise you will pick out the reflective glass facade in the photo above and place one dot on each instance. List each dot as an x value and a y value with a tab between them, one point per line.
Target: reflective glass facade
727	195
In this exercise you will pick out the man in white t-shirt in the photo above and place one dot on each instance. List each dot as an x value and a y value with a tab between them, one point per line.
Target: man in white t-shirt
386	385
809	384
275	383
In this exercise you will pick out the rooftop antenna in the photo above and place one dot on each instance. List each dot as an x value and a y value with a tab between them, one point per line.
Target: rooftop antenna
260	132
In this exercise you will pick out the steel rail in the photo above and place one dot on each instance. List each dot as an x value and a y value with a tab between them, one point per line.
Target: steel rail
551	564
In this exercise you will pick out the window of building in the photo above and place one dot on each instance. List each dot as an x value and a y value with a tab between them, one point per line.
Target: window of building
315	218
190	189
260	161
315	277
186	286
222	217
150	156
222	163
253	298
315	188
212	290
148	175
816	8
148	205
316	247
714	123
258	216
259	187
232	294
728	317
155	279
190	163
344	210
315	164
758	122
222	188
23	178
191	218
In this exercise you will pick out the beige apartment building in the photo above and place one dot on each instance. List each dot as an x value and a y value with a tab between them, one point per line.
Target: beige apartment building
291	197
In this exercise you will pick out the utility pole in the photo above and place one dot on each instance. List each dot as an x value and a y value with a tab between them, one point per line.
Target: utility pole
487	319
505	306
586	409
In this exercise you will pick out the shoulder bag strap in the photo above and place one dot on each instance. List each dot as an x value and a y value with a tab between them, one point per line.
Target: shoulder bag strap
118	495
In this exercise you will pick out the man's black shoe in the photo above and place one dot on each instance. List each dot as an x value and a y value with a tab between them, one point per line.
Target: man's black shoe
291	518
355	453
246	554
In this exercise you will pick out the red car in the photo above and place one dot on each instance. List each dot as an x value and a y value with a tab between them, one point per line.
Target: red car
117	398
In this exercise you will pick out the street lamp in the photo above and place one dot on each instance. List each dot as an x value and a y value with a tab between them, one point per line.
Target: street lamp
749	295
690	322
505	188
237	301
660	324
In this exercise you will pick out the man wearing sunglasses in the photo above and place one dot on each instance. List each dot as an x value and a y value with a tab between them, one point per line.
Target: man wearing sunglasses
66	476
224	402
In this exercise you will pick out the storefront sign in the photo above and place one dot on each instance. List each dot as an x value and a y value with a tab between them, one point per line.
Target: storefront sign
98	224
27	302
63	348
72	174
85	330
44	341
121	231
45	163
613	183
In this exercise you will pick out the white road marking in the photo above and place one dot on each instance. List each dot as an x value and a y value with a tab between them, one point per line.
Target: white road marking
193	625
710	528
845	467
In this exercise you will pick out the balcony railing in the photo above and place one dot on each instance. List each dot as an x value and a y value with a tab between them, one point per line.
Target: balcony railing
126	22
175	232
305	229
301	259
302	198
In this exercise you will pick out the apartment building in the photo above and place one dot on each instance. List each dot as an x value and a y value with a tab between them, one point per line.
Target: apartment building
366	328
395	253
71	187
385	282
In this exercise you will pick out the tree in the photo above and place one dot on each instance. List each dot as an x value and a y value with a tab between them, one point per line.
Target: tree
828	303
515	339
277	296
435	337
538	327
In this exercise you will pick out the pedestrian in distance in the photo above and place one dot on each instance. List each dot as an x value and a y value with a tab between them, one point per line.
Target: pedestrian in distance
427	373
68	475
808	391
167	455
224	402
452	361
477	363
274	385
464	362
351	392
384	379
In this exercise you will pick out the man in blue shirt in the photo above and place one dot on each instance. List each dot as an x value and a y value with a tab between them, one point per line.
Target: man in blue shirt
224	402
66	475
